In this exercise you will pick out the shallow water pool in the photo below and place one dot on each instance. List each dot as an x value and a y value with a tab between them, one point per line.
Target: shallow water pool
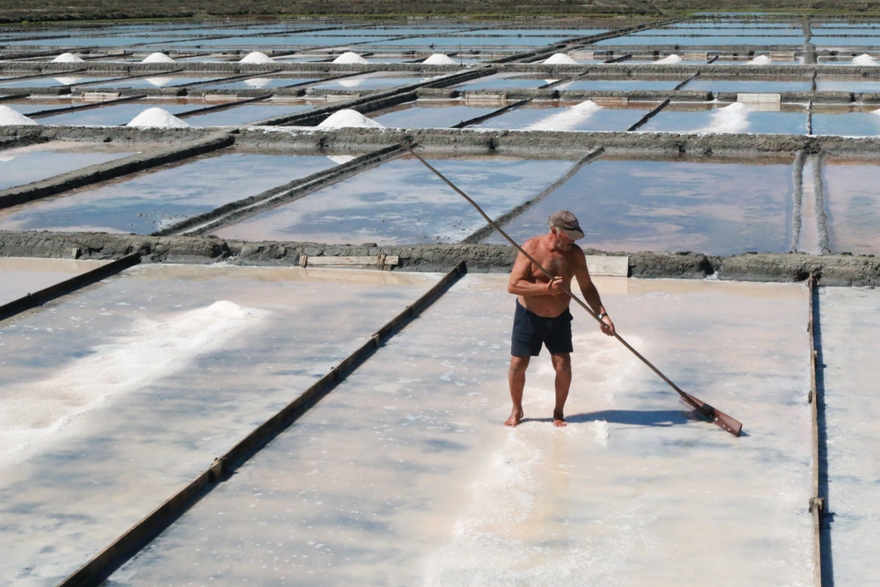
23	165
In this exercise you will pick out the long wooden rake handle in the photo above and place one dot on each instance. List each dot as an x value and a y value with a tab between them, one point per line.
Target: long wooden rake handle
721	419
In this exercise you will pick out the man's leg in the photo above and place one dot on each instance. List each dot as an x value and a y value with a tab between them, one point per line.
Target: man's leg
562	366
516	379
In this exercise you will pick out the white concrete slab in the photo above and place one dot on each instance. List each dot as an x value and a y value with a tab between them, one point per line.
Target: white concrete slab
404	475
850	321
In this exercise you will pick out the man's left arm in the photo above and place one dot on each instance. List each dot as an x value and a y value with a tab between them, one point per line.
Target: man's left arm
591	294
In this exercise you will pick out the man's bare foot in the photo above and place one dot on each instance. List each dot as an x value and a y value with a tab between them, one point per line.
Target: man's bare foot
559	420
515	416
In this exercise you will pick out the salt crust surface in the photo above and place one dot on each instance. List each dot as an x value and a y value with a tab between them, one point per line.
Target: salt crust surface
157	118
760	60
864	59
8	116
732	118
157	58
152	350
67	58
439	59
350	57
559	59
568	118
669	59
257	57
349	118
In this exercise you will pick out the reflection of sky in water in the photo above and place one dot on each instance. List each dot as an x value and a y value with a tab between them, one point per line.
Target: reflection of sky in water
29	107
258	83
404	475
853	205
618	85
502	81
423	116
850	322
310	39
111	115
155	200
832	85
246	114
21	276
46	82
831	42
603	119
27	164
746	86
90	480
707	40
368	83
712	208
848	124
401	202
751	121
158	81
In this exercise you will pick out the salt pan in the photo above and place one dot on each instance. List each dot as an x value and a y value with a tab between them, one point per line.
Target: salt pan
157	58
439	59
257	57
349	118
67	58
760	60
8	116
732	118
568	118
157	118
864	59
350	57
560	59
669	59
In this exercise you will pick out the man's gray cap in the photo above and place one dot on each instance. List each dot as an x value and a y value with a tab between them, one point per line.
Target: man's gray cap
567	223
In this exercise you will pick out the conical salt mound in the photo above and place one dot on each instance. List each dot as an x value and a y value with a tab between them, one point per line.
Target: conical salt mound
349	118
350	57
157	118
257	57
157	58
560	59
10	117
760	60
673	58
864	59
439	59
67	58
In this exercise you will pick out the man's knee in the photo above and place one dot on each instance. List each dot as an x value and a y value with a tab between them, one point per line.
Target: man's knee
519	364
561	362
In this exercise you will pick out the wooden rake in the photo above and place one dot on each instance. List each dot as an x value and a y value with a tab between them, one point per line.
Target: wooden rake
722	420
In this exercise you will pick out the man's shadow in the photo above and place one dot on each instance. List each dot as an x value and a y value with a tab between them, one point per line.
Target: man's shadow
646	418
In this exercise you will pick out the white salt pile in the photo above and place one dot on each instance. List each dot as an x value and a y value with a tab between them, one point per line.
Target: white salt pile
560	59
439	59
340	159
568	118
733	118
157	118
257	57
67	58
877	112
864	59
350	83
10	117
760	60
157	58
67	80
669	59
349	118
350	57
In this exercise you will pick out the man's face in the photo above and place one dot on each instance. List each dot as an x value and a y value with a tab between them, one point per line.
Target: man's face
561	240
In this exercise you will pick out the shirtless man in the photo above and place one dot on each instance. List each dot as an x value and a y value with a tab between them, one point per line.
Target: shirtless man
542	315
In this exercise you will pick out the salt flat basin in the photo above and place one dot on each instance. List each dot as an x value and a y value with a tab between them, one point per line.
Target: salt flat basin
848	120
846	85
48	82
430	114
747	86
849	323
502	81
259	83
613	85
728	118
402	202
20	276
249	113
157	81
22	165
404	474
706	40
160	197
851	200
717	208
569	116
111	115
117	396
370	81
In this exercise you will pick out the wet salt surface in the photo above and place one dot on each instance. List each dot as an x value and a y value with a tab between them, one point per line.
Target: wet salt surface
502	81
114	399
846	120
46	82
747	86
716	208
21	276
562	116
24	165
158	81
157	199
728	118
402	202
404	474
833	85
430	114
619	85
853	206
112	115
248	113
371	81
849	325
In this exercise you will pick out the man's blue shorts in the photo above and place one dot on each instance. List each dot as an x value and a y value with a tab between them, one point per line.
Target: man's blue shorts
530	331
